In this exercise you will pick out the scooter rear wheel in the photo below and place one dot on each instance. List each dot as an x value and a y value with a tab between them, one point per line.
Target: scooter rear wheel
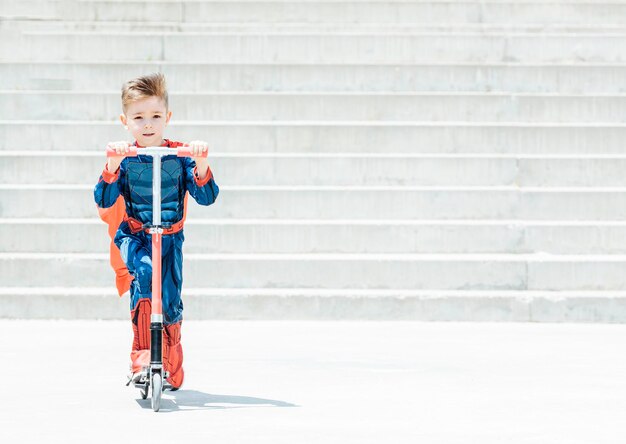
157	391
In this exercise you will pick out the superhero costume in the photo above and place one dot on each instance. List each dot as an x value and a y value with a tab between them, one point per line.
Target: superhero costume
131	186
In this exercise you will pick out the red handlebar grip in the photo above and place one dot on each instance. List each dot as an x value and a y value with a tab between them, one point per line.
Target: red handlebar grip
185	151
182	151
132	153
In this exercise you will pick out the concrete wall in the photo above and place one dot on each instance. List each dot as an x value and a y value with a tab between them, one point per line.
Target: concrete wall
432	160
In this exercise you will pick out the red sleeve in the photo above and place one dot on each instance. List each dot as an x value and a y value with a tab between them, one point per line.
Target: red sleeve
109	177
203	182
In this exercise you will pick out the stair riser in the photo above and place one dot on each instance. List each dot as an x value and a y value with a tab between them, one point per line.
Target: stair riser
288	273
29	26
396	171
342	238
347	204
338	274
320	48
297	171
444	308
454	108
215	77
329	137
312	12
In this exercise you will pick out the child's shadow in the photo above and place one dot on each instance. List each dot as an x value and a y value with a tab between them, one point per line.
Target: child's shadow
182	400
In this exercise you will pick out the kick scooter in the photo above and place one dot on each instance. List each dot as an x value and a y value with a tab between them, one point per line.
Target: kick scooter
154	375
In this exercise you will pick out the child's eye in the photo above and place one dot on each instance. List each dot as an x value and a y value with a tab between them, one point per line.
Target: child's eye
158	117
137	117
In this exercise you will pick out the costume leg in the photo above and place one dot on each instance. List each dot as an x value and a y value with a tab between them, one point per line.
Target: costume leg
173	308
141	309
140	318
173	354
137	259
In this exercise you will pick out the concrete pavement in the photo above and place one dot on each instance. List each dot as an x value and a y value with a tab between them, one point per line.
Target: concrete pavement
321	382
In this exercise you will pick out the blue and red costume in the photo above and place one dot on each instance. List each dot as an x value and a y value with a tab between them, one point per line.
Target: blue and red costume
131	186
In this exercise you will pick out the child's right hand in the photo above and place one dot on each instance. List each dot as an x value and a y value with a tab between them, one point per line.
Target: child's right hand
121	148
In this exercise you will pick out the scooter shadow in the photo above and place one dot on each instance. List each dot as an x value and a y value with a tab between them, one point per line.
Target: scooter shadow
191	400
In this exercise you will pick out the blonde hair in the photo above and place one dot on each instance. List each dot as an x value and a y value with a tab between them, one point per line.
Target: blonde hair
143	87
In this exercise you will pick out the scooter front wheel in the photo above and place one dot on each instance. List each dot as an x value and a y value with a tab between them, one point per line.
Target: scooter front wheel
157	391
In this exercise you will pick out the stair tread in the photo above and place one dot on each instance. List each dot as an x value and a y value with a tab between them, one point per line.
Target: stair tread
438	257
199	291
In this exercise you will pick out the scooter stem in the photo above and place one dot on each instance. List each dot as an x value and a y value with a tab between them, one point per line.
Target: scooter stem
157	230
156	318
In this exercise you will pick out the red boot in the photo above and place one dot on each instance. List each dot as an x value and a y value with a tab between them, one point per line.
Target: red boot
173	355
140	354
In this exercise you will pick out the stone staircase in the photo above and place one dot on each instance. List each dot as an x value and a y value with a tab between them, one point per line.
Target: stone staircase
430	160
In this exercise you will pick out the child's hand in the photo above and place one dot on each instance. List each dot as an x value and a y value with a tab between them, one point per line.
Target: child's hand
197	148
121	148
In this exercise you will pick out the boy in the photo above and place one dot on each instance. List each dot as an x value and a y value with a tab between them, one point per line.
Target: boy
125	187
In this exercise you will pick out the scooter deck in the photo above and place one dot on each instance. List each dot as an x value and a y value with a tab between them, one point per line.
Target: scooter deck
144	382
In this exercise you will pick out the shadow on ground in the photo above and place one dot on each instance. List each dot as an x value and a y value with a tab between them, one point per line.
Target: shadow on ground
183	400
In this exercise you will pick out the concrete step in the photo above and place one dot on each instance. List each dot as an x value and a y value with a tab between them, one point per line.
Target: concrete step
71	167
26	25
301	303
344	271
291	169
380	106
76	201
338	236
305	47
333	137
512	12
574	78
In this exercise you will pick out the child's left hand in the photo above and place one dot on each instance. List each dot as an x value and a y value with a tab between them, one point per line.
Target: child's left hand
198	147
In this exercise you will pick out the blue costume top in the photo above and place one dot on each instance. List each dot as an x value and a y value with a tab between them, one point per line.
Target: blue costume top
134	181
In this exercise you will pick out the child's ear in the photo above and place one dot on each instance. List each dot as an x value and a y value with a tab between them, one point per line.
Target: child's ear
123	119
168	117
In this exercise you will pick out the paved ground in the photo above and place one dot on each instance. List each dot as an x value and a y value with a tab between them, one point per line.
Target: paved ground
322	382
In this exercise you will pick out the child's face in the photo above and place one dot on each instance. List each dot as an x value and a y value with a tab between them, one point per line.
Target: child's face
146	120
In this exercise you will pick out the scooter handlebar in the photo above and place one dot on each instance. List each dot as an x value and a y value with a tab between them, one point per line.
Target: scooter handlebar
131	153
181	151
185	151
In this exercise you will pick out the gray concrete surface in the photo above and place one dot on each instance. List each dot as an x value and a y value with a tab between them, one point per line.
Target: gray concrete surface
590	77
356	112
321	382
